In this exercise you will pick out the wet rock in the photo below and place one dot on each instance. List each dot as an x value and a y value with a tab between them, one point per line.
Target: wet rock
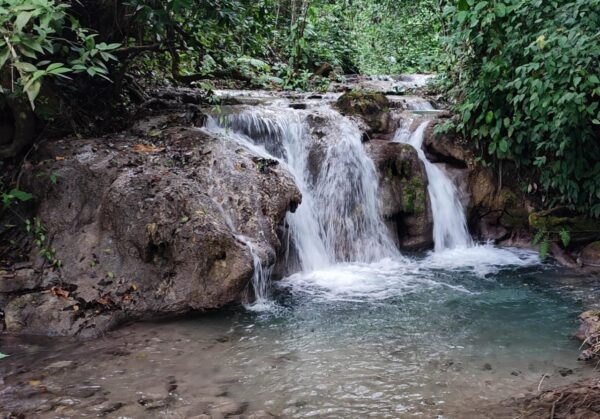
562	256
153	401
404	200
371	107
228	408
59	365
496	211
446	149
589	333
261	414
581	229
564	372
143	229
590	255
108	407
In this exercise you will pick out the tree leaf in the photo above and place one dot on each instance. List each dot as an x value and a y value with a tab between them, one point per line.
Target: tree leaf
503	146
22	20
33	92
21	195
3	57
25	66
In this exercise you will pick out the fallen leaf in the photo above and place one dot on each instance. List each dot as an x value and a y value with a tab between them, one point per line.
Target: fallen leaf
59	158
34	383
134	287
75	308
151	229
59	292
145	148
184	220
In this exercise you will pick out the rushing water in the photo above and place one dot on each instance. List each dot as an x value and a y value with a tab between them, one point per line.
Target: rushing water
338	220
449	221
434	336
358	331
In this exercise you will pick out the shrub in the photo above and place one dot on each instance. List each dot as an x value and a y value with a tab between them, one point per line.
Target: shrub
528	77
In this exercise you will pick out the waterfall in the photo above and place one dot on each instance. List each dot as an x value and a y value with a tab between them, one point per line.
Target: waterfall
339	219
449	221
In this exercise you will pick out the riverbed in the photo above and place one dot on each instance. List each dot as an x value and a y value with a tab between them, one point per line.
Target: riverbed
434	335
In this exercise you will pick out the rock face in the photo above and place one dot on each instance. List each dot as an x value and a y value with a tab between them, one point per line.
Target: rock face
494	212
589	334
403	194
146	225
372	107
590	255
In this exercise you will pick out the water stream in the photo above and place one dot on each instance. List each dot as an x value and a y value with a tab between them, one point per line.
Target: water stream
359	330
449	221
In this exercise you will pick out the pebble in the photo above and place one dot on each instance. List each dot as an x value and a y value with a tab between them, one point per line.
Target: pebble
59	365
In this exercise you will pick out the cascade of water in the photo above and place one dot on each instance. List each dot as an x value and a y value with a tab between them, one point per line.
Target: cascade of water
449	222
338	220
261	275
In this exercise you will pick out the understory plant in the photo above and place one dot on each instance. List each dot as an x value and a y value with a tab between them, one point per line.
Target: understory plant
39	39
527	77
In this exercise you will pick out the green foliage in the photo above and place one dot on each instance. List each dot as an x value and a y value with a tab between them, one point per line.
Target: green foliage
392	36
42	242
565	237
39	39
528	84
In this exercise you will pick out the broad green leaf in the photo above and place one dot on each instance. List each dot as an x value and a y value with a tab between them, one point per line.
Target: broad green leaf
503	146
500	10
4	57
33	91
21	195
22	20
489	117
25	66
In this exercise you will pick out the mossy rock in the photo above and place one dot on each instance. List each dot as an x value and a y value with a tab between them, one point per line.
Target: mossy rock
414	196
372	107
581	228
515	218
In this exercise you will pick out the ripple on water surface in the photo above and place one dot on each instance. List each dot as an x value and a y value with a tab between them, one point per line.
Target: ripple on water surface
429	335
433	336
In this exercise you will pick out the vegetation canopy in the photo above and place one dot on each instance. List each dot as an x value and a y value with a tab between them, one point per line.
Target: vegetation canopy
527	77
523	75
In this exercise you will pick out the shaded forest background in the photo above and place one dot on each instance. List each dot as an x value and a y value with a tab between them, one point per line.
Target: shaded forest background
522	76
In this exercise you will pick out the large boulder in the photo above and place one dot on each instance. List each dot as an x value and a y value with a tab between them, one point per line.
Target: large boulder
371	107
495	211
590	256
403	194
146	225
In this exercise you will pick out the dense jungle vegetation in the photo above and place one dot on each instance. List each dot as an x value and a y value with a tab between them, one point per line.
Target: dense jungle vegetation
523	75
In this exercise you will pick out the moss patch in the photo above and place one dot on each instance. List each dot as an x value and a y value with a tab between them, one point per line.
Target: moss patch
413	196
373	107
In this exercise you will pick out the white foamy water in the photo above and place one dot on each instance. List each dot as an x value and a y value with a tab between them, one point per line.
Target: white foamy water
449	221
338	220
392	278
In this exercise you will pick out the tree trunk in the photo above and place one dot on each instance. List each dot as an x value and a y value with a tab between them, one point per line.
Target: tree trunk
17	132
